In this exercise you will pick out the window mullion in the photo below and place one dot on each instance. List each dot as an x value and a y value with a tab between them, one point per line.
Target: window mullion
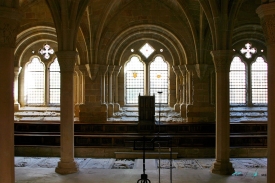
249	85
147	79
47	85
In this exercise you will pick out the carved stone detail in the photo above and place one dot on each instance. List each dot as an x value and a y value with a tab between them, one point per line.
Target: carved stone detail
176	70
67	60
92	70
222	60
201	70
103	69
117	70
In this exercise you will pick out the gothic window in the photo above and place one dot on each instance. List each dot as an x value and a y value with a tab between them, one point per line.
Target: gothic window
248	79
54	82
237	82
134	70
35	82
159	80
136	80
259	81
42	80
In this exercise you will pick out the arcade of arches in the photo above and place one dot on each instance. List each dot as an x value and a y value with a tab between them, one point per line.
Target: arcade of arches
91	59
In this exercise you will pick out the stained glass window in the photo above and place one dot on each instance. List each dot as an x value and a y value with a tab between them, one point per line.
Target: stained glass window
259	81
237	82
134	80
35	77
159	80
54	82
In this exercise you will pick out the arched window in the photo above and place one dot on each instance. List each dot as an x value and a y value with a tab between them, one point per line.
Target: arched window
237	82
259	81
134	71
34	82
159	80
248	78
149	76
54	82
42	79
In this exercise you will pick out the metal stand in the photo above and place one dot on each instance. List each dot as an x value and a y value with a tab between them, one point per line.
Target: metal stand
144	177
171	166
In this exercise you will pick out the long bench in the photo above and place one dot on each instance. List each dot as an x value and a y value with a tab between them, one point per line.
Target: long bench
44	133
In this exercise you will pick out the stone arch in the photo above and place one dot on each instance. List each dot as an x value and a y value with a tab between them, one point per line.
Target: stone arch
151	33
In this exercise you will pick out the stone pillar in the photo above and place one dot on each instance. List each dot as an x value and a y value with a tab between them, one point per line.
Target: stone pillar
177	73
110	91
9	24
77	89
266	13
189	83
222	60
183	91
103	69
67	165
115	88
15	88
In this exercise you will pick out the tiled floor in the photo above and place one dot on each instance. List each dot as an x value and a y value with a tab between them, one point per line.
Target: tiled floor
42	170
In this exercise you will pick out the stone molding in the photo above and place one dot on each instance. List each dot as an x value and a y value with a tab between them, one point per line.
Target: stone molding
92	69
17	70
266	12
201	70
190	68
222	60
103	69
67	60
111	69
116	70
176	70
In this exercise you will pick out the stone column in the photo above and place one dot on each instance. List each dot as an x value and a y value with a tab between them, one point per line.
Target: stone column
77	89
115	88
183	91
15	88
266	13
222	60
9	24
103	69
189	81
177	73
67	165
110	91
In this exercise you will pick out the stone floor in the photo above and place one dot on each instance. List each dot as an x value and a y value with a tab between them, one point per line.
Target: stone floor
42	170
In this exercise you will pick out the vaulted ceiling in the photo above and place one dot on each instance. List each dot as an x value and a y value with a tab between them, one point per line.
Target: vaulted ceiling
188	29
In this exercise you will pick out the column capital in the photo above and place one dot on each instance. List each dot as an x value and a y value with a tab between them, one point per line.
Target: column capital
67	60
201	70
182	69
189	68
92	70
103	69
117	70
111	69
17	70
176	70
266	12
9	26
222	59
